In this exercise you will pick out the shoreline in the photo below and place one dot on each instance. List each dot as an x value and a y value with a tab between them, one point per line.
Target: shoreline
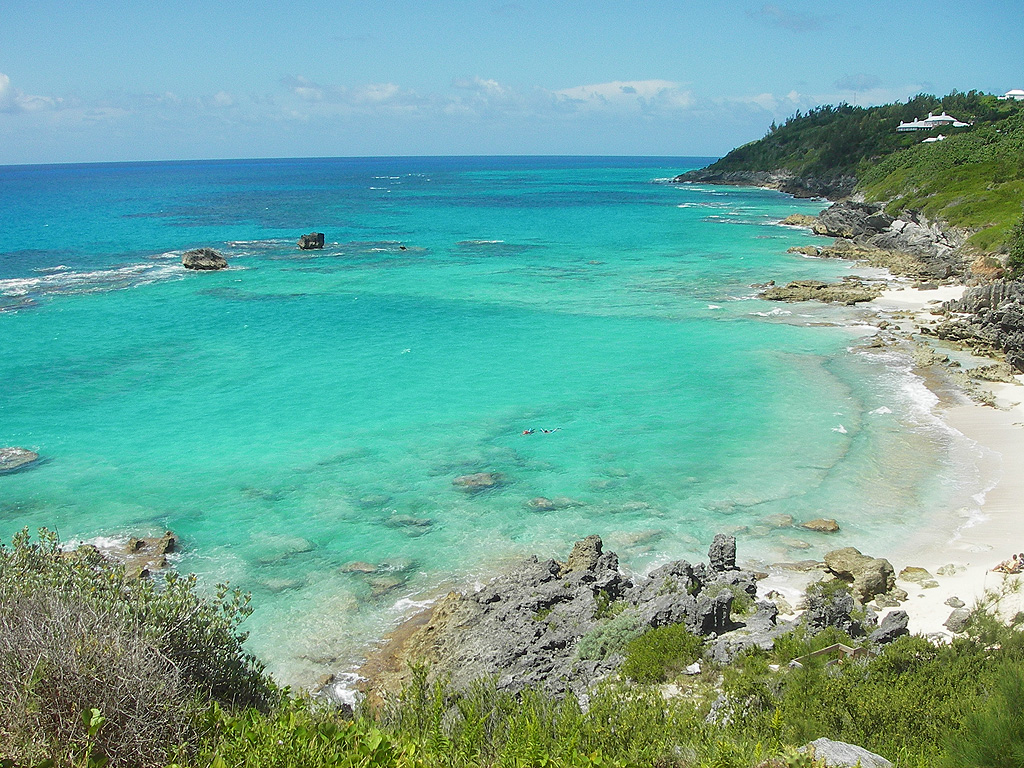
960	566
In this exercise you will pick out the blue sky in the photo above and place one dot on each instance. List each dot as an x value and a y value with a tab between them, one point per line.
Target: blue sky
110	80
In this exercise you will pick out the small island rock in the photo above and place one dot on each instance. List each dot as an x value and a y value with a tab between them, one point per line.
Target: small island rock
13	459
311	242
203	259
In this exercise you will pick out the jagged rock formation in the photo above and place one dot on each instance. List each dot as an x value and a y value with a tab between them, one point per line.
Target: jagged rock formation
528	626
203	259
834	188
909	245
991	318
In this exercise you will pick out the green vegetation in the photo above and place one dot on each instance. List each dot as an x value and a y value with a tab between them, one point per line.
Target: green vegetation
974	179
98	670
660	654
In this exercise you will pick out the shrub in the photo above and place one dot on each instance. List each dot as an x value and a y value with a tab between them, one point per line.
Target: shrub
76	635
609	637
661	653
1015	259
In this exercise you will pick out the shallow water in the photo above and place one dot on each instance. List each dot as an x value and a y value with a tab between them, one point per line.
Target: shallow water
304	410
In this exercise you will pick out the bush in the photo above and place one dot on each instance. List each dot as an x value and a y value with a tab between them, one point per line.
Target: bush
661	653
1015	259
76	635
609	637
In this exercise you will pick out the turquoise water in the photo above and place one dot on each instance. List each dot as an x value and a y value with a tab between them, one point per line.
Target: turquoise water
304	410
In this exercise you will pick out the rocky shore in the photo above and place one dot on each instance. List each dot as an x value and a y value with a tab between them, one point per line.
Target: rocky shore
562	626
835	188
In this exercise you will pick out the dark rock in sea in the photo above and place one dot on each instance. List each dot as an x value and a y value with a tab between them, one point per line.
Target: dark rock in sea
203	259
893	626
311	242
839	754
16	459
528	625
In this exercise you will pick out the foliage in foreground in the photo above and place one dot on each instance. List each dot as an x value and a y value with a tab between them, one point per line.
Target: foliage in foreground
98	667
97	670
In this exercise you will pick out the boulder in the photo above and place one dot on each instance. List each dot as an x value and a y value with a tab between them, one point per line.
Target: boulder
311	242
868	576
894	625
203	259
919	576
141	556
15	459
839	754
845	219
821	525
479	481
958	620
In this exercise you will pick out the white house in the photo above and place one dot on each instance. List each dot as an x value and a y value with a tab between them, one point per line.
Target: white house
932	121
932	139
1015	95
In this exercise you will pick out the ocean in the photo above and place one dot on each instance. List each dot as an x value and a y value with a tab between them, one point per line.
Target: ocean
579	327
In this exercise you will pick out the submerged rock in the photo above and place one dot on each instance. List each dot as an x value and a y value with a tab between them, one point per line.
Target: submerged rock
203	259
15	459
821	525
479	481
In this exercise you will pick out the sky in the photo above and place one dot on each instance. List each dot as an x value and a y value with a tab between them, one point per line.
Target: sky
126	80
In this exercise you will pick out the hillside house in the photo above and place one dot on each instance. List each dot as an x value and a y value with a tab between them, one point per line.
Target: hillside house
932	121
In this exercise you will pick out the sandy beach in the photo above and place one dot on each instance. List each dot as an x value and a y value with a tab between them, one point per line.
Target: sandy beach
961	566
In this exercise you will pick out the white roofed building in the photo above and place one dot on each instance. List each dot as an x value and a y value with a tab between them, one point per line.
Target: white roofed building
932	121
1015	95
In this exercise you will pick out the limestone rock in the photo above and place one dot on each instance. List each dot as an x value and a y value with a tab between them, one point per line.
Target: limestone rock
15	459
954	602
958	620
141	556
311	242
839	754
868	576
799	220
722	553
585	555
804	250
915	575
894	625
203	259
822	525
844	292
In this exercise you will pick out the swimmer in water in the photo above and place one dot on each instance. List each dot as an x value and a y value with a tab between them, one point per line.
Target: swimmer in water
529	431
549	431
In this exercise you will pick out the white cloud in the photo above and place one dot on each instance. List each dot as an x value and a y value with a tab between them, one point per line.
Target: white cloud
13	100
632	95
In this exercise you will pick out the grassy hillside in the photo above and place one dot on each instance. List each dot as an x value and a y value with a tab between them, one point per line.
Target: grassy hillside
973	179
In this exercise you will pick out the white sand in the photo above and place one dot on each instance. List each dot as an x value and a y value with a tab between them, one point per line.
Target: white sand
983	541
999	532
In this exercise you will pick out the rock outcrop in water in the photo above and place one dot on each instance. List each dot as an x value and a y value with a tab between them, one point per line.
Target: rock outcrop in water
311	242
847	291
203	259
16	459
